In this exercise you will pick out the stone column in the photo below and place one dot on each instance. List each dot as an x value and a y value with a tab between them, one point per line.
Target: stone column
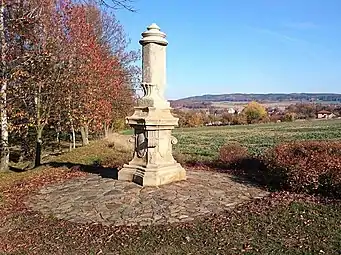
153	163
154	57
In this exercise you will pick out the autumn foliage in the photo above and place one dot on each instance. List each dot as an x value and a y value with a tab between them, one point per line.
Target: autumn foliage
254	112
306	166
67	68
232	154
311	167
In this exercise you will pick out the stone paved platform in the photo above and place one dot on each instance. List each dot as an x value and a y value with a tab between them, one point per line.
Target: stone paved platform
107	201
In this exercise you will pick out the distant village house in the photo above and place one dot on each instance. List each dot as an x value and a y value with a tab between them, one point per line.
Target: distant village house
231	111
325	115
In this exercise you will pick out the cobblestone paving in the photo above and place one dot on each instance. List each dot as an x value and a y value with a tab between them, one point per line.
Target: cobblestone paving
107	201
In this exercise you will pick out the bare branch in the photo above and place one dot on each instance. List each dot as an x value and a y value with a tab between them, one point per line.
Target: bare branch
114	4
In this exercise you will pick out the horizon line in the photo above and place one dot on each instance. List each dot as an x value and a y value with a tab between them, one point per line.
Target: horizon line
267	93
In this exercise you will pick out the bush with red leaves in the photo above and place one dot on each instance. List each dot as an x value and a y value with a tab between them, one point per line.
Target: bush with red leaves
306	166
232	154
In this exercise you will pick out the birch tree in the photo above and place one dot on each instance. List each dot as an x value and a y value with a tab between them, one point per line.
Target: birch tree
4	165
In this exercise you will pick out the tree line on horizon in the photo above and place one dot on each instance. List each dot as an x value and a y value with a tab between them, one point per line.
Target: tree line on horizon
252	113
65	67
266	97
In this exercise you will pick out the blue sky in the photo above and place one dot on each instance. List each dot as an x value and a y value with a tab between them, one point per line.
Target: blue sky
246	46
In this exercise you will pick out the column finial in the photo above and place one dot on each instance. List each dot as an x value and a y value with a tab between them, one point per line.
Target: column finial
153	34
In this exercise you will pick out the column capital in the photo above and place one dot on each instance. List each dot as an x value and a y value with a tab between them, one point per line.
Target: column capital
153	35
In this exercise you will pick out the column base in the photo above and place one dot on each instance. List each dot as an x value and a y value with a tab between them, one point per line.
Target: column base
152	176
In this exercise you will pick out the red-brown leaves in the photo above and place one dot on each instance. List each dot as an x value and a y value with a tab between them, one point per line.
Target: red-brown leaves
68	65
14	195
99	77
308	166
232	154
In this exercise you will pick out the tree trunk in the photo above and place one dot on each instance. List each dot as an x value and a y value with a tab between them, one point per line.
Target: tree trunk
70	144
58	139
73	133
58	134
85	135
73	138
37	161
106	130
39	127
4	163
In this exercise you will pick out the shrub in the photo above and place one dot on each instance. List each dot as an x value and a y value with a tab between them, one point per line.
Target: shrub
195	120
239	119
232	154
306	166
289	117
276	118
265	119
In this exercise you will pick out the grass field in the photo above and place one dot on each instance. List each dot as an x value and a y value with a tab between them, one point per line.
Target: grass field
204	142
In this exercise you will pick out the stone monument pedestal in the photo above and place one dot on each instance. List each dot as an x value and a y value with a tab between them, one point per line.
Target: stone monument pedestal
153	163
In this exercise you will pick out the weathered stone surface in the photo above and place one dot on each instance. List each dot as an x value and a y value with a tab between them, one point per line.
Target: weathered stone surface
153	163
131	204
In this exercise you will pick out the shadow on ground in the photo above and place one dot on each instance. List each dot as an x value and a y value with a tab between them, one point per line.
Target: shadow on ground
257	172
17	169
104	172
249	171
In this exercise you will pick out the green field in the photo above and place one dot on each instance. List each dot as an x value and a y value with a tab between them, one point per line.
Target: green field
204	142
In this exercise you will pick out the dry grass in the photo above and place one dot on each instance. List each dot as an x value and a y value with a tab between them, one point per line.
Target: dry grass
101	152
119	142
113	151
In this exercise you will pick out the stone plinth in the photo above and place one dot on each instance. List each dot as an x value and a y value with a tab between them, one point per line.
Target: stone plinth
153	163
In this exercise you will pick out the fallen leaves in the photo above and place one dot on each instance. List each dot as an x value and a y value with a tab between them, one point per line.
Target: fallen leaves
14	195
283	222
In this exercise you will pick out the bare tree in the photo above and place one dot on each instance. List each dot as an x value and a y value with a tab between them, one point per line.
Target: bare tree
114	4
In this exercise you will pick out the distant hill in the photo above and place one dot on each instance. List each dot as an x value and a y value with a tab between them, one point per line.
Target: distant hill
263	98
